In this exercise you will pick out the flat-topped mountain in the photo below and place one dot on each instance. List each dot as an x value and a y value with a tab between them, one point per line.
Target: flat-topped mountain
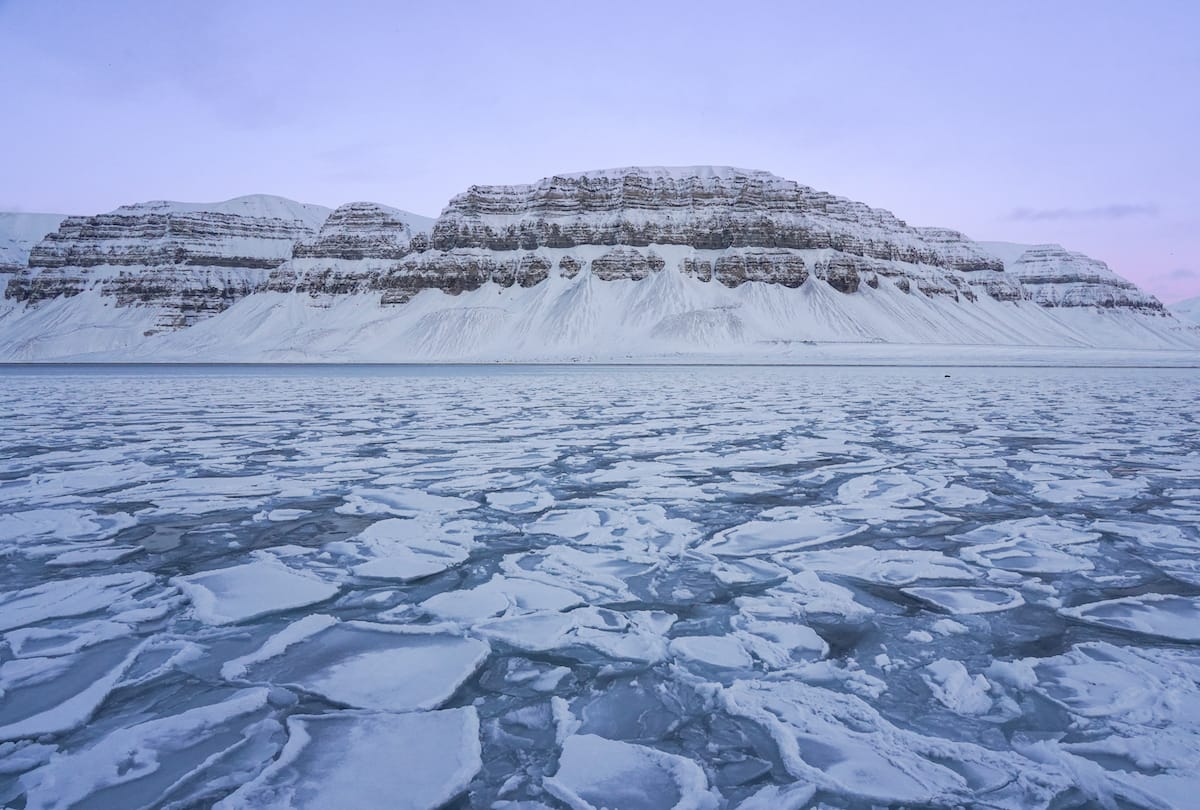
619	263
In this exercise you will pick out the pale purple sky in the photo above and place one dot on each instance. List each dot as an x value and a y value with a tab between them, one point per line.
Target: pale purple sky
1072	122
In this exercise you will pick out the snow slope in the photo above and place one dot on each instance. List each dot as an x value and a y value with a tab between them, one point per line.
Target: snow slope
1187	310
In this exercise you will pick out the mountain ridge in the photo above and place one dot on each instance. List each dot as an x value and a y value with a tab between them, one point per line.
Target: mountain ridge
637	261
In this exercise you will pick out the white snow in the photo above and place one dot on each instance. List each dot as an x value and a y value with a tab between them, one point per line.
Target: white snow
957	689
595	773
138	752
1168	616
968	600
69	597
365	665
368	760
250	590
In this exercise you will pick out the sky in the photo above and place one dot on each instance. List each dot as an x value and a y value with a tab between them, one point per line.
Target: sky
1068	122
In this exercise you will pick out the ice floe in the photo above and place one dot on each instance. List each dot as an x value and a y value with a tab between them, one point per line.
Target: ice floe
1154	614
365	665
785	529
959	601
594	773
367	760
243	592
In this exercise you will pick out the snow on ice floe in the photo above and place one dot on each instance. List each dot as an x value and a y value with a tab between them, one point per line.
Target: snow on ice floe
52	695
594	772
243	592
1043	530
44	526
618	524
367	760
1155	614
785	529
521	502
624	636
884	567
804	595
364	665
134	764
957	689
1028	557
401	501
77	596
1082	490
500	596
202	494
405	549
721	652
771	578
958	601
842	745
1096	679
779	644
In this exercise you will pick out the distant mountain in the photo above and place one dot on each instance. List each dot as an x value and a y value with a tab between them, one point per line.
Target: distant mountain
1188	310
19	232
621	264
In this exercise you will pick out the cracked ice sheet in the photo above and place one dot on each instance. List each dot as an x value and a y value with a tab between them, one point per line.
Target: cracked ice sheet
401	501
785	529
1039	530
895	568
243	592
134	764
1139	711
364	665
966	601
636	635
594	772
72	597
1164	615
368	760
406	549
842	745
43	526
53	695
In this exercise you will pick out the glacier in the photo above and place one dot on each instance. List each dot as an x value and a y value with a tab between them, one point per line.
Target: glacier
558	587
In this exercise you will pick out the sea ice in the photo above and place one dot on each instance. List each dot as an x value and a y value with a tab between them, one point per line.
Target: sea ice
253	589
499	596
367	760
409	549
52	695
1027	557
70	597
895	568
840	744
956	689
721	652
958	601
136	763
365	665
1153	614
520	502
595	773
787	530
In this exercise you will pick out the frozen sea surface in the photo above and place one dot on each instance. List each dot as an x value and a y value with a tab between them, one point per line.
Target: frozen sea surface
627	588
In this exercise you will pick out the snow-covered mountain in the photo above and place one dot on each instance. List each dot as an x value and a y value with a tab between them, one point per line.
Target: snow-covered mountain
19	232
636	263
1187	310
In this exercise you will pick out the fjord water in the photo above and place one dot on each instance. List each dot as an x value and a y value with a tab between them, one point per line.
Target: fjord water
636	587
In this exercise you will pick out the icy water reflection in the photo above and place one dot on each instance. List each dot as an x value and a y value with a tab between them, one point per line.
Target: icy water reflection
599	587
